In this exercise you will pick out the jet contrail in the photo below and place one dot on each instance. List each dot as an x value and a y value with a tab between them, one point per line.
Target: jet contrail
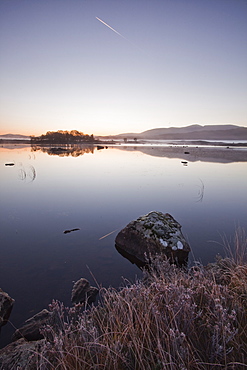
107	25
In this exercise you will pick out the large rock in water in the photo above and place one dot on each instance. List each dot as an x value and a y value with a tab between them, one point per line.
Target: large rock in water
6	305
153	234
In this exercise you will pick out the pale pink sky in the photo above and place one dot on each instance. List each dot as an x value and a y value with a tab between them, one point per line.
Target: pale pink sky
178	63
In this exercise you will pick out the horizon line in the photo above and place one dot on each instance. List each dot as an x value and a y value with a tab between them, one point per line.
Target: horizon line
121	133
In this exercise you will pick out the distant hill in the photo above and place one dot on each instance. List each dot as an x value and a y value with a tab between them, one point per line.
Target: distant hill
192	132
14	137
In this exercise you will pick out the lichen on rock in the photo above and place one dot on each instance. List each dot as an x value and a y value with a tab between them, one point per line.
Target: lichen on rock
152	234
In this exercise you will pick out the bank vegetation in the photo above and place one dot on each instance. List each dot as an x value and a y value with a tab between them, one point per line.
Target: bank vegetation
171	319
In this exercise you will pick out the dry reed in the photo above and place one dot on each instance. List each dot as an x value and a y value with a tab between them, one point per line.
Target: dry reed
171	319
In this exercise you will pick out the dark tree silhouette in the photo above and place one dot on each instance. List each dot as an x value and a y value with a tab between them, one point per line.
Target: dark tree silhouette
63	137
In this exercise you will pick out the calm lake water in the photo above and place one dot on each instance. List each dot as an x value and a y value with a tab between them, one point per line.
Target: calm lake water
99	191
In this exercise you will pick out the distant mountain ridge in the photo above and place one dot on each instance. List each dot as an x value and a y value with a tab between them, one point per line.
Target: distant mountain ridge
192	132
14	137
191	128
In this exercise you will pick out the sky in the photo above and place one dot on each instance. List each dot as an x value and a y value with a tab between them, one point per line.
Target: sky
170	63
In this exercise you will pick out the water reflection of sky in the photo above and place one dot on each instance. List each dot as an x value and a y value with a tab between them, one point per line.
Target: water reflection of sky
99	193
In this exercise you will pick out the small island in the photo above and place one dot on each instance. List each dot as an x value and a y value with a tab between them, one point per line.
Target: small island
63	137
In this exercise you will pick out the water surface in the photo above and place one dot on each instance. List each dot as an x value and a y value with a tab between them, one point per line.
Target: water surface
99	191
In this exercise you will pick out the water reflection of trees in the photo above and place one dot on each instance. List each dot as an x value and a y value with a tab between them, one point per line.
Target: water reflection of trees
64	151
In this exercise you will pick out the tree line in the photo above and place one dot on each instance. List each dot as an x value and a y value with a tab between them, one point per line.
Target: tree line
61	136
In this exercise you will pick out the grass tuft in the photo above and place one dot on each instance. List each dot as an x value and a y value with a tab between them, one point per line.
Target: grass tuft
172	319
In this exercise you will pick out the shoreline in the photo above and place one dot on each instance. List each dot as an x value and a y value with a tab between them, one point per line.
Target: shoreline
193	153
187	151
168	299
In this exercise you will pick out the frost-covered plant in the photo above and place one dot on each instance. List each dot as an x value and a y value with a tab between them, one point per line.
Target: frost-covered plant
171	319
